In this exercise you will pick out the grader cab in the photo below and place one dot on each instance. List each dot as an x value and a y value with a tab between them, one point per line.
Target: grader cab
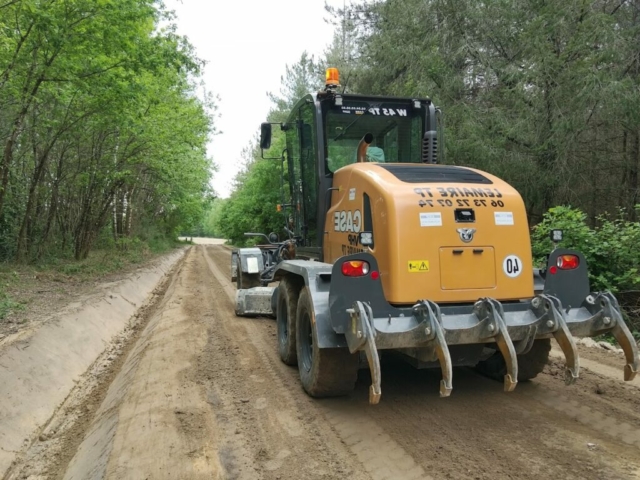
387	249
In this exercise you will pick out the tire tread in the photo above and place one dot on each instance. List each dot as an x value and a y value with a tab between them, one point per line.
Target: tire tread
334	370
530	364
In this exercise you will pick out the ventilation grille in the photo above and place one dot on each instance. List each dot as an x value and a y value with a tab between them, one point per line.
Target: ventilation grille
434	174
430	146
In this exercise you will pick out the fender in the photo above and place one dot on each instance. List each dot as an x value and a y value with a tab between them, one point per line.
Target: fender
317	278
344	291
571	287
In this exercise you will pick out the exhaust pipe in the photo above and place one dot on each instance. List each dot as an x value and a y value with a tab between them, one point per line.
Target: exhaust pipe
363	146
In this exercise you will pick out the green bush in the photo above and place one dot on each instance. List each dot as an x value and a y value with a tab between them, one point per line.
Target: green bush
7	305
612	248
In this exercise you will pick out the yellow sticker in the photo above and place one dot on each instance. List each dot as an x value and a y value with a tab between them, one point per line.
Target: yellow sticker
417	266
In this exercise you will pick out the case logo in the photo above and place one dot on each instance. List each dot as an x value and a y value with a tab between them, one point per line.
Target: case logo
346	221
466	234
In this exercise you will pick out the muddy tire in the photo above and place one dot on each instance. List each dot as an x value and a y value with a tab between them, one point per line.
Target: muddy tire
327	372
246	280
288	292
530	364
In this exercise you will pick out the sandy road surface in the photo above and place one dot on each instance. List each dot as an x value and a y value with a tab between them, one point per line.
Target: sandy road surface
205	240
203	394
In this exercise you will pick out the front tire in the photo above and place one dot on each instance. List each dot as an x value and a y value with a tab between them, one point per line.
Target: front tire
530	364
327	372
288	292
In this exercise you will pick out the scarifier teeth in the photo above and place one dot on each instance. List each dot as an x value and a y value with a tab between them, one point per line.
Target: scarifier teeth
444	390
509	383
374	397
629	372
570	376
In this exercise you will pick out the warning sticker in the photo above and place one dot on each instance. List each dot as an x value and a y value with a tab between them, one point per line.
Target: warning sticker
418	266
503	218
430	219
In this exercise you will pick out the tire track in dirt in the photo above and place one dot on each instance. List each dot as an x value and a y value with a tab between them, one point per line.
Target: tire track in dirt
599	402
381	457
153	422
60	438
492	434
481	432
283	436
203	394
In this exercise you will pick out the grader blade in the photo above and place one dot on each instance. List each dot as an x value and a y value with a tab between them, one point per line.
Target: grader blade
255	302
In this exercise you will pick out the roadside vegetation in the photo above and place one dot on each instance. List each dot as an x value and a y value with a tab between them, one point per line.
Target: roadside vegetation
22	285
612	250
103	136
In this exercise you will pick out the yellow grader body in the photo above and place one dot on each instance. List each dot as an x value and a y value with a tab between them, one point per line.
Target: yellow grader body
416	231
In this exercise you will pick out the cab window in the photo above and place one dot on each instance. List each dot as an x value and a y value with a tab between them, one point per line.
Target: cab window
396	135
301	155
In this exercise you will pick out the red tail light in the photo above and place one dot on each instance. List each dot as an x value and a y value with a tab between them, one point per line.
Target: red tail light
355	268
568	262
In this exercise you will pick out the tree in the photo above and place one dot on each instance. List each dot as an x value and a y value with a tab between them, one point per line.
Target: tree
543	94
101	123
261	186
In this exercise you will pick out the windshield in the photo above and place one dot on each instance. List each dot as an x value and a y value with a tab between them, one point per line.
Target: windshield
396	130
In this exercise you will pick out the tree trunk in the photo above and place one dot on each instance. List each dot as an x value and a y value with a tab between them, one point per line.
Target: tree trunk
634	165
53	204
7	158
21	250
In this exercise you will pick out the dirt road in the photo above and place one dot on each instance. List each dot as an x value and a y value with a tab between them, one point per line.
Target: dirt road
200	393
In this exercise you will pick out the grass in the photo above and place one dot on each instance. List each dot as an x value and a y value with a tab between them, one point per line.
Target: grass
21	283
7	305
110	259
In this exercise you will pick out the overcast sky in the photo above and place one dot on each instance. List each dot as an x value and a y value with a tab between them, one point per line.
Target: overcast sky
247	44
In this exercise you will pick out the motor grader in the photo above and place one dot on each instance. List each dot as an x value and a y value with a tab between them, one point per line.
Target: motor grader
387	249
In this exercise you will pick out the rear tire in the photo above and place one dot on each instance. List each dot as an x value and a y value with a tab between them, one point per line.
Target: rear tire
327	372
530	364
288	292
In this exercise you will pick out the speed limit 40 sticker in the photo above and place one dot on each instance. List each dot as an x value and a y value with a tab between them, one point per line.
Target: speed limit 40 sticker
512	266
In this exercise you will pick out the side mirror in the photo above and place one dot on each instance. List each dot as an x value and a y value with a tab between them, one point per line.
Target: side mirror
265	136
